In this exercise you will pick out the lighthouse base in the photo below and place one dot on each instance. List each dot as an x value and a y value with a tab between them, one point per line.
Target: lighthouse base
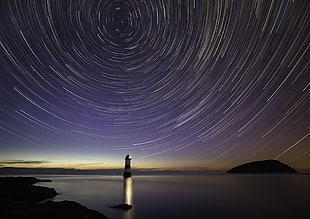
127	174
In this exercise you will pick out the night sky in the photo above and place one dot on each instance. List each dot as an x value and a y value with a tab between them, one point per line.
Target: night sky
177	84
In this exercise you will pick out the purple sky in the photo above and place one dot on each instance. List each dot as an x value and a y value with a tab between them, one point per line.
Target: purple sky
208	84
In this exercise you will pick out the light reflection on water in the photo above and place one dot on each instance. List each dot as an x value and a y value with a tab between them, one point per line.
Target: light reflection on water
128	193
128	197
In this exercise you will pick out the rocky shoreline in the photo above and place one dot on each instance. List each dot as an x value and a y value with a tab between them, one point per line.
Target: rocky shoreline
20	199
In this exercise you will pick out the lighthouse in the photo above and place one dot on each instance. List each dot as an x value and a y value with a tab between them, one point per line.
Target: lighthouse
127	170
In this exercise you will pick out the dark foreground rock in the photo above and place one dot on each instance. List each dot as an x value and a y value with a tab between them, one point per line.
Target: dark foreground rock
21	180
20	199
122	206
265	166
22	189
47	210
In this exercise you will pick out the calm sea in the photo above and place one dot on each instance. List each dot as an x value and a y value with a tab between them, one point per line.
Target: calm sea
189	197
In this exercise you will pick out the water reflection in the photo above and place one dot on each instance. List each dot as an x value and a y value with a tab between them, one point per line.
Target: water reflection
128	197
128	190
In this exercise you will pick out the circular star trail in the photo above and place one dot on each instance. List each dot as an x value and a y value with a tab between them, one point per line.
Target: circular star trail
211	82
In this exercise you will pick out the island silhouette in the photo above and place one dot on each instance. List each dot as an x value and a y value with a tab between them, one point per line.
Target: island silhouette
263	166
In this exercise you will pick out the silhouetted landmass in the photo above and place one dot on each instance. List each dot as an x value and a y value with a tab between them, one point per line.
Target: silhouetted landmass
19	198
22	189
47	210
265	166
22	180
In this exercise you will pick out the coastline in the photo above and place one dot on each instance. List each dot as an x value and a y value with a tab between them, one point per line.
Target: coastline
20	198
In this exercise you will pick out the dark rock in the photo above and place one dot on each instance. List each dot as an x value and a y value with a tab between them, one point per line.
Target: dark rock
19	199
122	206
65	209
21	180
47	210
21	189
265	166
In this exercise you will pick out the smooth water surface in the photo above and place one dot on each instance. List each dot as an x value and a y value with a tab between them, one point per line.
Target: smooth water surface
205	196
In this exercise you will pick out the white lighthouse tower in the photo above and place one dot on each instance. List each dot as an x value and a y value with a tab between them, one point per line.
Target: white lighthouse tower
127	170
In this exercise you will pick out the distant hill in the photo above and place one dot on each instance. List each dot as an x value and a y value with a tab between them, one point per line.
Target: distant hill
264	166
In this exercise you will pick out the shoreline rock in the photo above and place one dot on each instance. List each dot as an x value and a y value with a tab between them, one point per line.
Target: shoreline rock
22	189
122	206
19	198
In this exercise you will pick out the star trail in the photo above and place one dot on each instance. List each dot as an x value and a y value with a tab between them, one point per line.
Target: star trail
174	83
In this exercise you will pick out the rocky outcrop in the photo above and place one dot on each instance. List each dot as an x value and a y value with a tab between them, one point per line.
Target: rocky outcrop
20	199
46	210
122	206
265	166
22	189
